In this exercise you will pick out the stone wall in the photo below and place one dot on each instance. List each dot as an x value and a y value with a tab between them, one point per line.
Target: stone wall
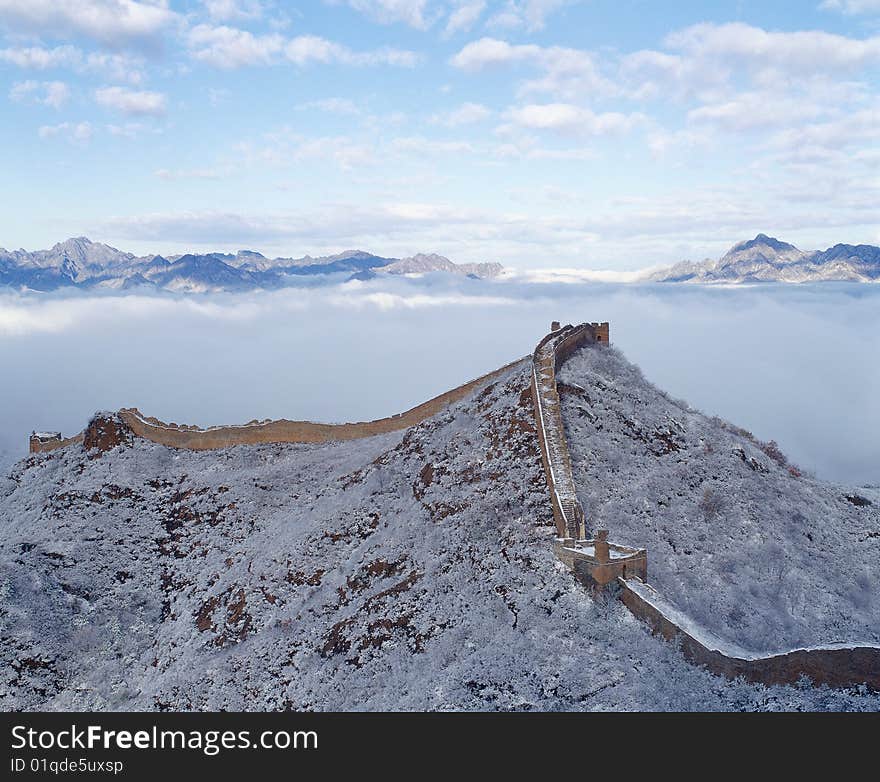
35	446
552	350
836	666
283	431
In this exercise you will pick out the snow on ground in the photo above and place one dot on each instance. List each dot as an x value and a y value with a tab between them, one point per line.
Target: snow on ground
737	539
407	571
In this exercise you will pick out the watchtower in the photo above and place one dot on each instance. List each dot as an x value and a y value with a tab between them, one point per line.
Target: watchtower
44	441
601	332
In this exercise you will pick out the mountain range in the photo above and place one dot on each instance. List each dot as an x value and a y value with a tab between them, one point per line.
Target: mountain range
765	259
81	263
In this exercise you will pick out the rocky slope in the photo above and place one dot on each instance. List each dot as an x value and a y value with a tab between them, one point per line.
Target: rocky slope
407	571
738	538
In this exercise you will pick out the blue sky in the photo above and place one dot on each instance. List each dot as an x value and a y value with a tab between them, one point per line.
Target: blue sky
536	133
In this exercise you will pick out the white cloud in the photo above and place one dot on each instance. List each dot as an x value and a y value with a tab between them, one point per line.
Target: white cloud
744	78
592	231
419	145
385	301
466	114
704	61
852	6
228	47
285	146
528	149
754	110
171	175
48	93
233	10
410	12
566	276
792	52
529	14
716	64
75	131
331	106
349	224
854	129
492	51
569	73
129	130
576	120
465	16
342	151
662	142
121	67
652	75
110	22
308	49
39	58
131	101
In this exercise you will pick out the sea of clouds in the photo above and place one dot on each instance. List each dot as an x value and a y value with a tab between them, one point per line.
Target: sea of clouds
798	364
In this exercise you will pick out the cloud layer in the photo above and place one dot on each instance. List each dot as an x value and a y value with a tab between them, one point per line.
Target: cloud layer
799	365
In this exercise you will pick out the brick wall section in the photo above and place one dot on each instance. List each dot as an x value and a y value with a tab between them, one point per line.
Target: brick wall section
552	350
283	431
836	667
37	447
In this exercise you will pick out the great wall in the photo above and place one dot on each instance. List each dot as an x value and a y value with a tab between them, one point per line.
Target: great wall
600	566
256	432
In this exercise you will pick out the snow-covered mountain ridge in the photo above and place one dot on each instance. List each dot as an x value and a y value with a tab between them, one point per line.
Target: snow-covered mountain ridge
765	259
81	263
413	570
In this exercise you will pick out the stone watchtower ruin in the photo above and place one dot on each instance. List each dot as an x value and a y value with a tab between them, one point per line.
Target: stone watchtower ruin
44	441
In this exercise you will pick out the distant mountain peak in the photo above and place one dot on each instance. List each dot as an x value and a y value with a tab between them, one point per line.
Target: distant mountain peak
762	249
75	241
762	240
422	263
768	259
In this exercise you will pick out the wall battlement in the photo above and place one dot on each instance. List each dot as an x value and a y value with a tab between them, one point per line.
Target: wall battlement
42	442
